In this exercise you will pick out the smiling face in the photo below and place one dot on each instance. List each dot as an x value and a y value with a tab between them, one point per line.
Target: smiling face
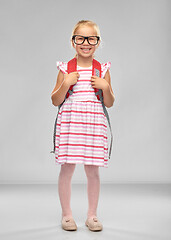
85	50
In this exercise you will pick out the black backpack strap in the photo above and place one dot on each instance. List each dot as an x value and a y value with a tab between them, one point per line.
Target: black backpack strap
108	119
54	132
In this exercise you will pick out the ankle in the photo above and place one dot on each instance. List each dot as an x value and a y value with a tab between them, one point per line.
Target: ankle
91	215
66	215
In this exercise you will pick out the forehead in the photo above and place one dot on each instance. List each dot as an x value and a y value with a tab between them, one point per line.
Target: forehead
86	31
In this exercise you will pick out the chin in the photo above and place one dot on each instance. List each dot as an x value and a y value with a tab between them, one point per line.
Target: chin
88	55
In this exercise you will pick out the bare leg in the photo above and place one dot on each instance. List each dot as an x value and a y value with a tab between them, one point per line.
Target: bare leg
64	188
93	188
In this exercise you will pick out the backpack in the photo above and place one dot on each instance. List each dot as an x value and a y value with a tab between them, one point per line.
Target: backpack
96	71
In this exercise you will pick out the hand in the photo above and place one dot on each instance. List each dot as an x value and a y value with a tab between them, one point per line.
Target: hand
99	83
71	78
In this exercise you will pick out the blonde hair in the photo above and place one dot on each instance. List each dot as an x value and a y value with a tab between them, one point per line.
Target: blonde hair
83	23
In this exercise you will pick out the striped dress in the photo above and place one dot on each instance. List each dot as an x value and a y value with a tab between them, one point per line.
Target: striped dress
81	131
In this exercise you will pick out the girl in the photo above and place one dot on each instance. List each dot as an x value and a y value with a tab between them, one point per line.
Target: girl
81	129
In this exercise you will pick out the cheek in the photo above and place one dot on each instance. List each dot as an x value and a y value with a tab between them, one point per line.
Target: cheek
94	48
77	48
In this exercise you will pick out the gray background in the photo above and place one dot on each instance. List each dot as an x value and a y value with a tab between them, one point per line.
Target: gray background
135	38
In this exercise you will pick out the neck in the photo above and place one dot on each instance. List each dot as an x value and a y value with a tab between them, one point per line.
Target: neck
84	61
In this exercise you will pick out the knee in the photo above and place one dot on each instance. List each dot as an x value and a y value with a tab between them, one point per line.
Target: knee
67	170
91	171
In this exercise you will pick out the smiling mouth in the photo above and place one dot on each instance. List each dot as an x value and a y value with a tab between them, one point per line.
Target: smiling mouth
86	49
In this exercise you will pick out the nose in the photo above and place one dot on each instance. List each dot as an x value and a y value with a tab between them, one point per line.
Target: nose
86	42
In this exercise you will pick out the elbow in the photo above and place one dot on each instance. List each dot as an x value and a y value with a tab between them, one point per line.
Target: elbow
111	104
54	102
108	105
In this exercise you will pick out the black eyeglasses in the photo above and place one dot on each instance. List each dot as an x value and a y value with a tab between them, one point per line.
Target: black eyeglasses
92	40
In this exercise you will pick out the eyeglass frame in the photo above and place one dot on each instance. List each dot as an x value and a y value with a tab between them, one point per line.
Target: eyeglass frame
73	38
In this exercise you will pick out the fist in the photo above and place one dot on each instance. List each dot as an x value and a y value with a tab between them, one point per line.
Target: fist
71	78
97	82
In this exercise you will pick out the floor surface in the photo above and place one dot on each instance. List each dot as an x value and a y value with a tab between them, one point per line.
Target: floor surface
127	212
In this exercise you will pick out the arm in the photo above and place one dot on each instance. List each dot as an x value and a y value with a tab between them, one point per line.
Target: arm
59	92
108	95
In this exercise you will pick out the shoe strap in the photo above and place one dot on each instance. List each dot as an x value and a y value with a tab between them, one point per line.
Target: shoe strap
67	219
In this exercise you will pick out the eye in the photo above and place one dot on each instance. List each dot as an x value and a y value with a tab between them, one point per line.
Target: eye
79	38
92	38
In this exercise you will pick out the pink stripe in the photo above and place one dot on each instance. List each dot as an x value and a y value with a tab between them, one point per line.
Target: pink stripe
91	124
85	74
83	80
67	117
63	150
84	91
84	70
83	94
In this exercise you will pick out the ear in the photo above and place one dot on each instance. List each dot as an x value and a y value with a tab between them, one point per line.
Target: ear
73	44
98	44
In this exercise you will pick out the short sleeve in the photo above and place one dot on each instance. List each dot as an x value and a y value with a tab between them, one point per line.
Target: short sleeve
62	66
105	67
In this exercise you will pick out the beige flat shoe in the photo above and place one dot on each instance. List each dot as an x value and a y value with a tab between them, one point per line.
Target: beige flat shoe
69	224
93	224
